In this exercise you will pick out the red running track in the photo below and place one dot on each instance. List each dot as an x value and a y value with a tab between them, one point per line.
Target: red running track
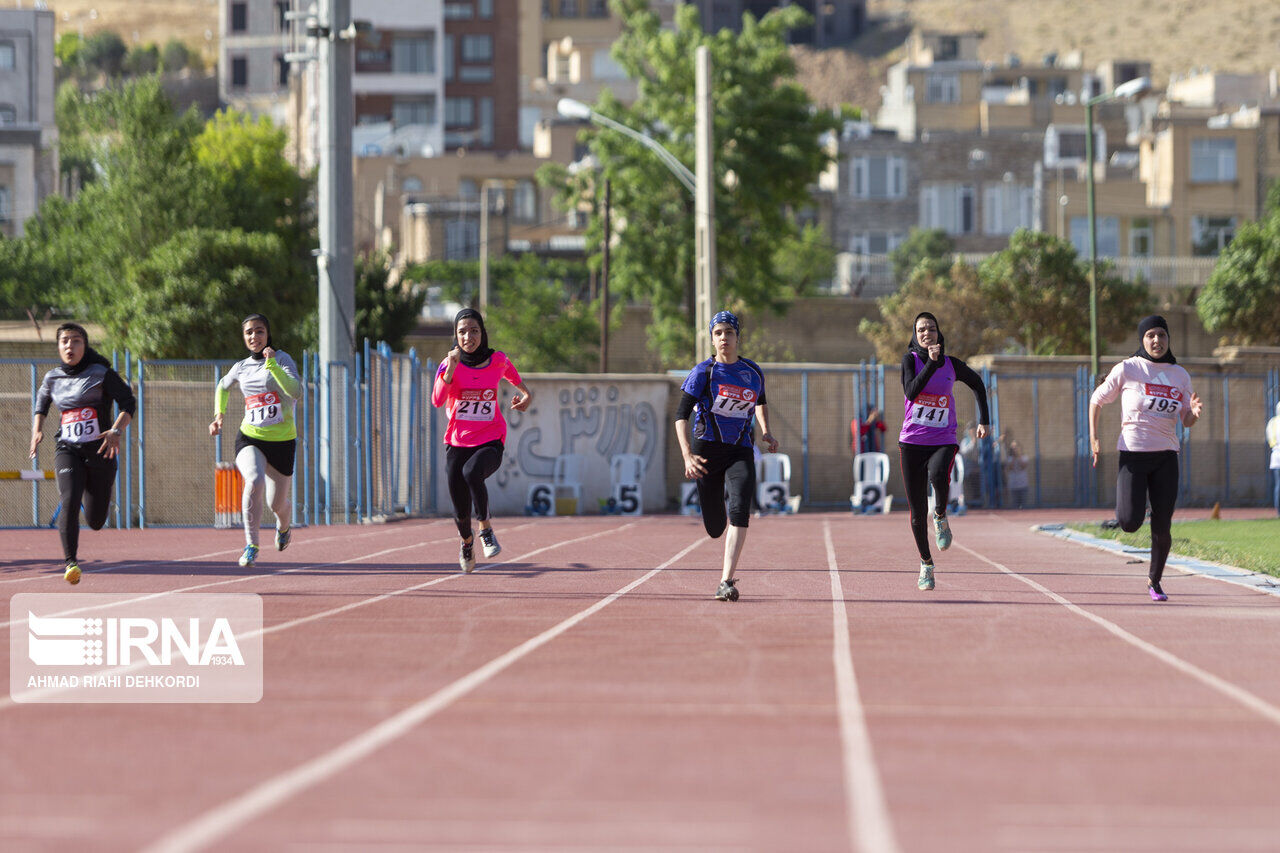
584	692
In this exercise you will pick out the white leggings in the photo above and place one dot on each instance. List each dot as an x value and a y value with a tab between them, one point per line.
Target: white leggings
258	473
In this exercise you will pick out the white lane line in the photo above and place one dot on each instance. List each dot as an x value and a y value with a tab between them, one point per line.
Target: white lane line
1238	694
8	701
870	827
53	573
236	812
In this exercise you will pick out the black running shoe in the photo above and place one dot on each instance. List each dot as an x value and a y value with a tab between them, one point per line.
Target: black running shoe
727	591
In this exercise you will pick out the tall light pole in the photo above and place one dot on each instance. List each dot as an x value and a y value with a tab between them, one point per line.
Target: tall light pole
700	184
1124	90
503	185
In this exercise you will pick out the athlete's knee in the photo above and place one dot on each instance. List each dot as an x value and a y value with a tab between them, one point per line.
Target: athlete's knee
714	527
1129	525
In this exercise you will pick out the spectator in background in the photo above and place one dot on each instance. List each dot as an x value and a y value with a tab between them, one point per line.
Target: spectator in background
868	435
971	453
1273	441
1016	475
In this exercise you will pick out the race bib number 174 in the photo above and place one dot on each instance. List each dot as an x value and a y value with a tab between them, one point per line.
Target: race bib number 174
734	402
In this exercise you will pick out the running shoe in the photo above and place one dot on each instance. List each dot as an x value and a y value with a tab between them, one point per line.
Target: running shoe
467	557
926	576
942	531
72	573
727	591
282	538
249	556
490	542
1157	594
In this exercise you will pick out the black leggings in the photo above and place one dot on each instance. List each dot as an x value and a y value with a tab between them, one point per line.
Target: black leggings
731	463
468	468
84	478
1152	476
924	465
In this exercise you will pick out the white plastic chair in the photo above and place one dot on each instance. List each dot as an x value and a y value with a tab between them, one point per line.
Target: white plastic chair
567	477
773	483
956	488
870	478
626	473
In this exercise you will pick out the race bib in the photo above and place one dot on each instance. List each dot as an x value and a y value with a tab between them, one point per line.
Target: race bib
734	402
931	410
1163	401
476	404
263	410
80	425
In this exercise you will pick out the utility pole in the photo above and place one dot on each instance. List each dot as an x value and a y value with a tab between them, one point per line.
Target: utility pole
335	260
704	208
604	280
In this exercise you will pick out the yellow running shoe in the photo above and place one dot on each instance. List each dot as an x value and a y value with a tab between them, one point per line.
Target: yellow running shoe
72	573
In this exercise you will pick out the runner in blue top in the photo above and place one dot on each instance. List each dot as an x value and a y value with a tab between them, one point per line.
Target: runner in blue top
725	394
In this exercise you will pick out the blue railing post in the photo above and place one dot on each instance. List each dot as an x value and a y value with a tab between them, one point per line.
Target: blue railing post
1035	415
35	463
1226	440
142	444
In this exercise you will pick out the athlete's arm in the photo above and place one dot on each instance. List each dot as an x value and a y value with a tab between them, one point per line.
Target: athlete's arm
37	431
284	373
521	401
694	466
762	413
912	384
221	392
968	376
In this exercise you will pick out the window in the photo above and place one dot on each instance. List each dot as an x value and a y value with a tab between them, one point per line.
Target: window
477	48
5	212
1108	236
475	73
239	72
1140	238
468	189
486	9
448	57
1211	234
597	8
282	72
876	242
413	111
239	17
948	48
282	9
947	206
459	112
1213	160
942	89
603	67
411	185
8	115
1064	146
568	8
486	121
8	56
524	202
1006	207
461	239
414	54
879	176
457	11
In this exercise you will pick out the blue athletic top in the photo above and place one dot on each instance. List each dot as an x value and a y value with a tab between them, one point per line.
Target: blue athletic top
726	397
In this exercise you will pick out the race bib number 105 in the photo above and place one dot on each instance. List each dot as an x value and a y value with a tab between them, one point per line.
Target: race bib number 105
79	425
1163	401
734	402
476	404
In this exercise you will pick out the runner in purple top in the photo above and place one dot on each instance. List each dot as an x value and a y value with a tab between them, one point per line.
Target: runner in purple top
927	444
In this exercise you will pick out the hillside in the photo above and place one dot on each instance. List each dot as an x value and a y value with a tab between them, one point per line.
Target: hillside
192	21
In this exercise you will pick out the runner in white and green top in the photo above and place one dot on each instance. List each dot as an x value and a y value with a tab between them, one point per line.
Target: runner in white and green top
267	439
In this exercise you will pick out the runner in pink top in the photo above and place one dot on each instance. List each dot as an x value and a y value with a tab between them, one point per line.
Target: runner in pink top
467	385
1155	393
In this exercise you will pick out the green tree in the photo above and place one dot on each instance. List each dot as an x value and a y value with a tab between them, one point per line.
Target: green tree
968	320
69	52
104	52
144	59
174	56
766	132
1241	300
927	245
385	311
1042	290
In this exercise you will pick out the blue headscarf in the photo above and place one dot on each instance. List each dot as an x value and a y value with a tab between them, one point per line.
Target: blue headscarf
725	317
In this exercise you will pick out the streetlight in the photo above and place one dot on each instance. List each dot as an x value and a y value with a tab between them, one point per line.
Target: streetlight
1124	90
698	183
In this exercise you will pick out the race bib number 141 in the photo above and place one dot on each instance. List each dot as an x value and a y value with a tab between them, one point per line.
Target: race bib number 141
931	410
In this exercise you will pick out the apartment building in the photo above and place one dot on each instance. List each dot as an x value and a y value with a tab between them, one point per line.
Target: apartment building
28	131
482	99
835	22
254	36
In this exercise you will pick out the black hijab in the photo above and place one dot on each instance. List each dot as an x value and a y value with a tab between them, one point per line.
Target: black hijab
915	343
258	356
91	356
482	353
1147	324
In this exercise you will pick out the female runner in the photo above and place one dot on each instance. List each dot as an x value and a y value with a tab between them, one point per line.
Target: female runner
83	388
725	394
267	439
467	385
1155	393
927	444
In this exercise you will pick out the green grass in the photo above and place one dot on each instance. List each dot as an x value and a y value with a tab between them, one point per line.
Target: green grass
1253	545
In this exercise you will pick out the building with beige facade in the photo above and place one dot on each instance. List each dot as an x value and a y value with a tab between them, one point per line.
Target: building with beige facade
28	130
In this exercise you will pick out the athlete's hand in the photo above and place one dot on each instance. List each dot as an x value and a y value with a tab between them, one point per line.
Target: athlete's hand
520	402
694	466
36	438
770	442
935	352
455	355
981	431
268	352
1196	405
110	445
216	427
1094	447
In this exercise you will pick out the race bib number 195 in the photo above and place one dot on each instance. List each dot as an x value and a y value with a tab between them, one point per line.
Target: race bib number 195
476	404
1163	401
734	402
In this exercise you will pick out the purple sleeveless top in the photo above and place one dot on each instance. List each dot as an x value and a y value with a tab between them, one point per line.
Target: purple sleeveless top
931	418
